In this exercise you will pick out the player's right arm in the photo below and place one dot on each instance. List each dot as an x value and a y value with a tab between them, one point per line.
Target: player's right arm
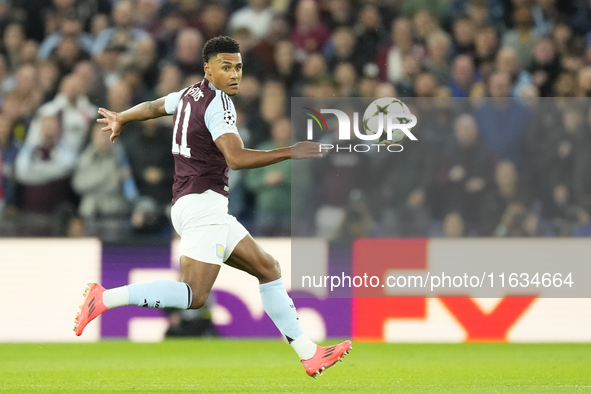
147	110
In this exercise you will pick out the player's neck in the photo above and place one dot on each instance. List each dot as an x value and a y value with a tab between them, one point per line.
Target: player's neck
210	84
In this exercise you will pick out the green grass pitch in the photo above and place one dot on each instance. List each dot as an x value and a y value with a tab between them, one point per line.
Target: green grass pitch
224	366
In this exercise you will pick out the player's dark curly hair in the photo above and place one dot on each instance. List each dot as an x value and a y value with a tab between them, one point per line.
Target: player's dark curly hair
220	44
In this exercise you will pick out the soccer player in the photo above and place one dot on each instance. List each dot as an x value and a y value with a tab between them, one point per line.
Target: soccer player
205	143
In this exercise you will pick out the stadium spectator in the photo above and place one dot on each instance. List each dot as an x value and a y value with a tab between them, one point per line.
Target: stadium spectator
271	186
340	13
370	36
485	49
389	60
464	76
256	64
48	80
340	48
99	23
286	67
569	138
212	21
272	108
426	86
12	40
565	40
345	78
172	22
464	34
523	37
453	225
437	63
256	17
584	82
8	154
170	80
152	169
581	176
468	168
102	179
310	34
28	52
357	223
508	189
507	62
43	167
73	112
187	56
13	110
25	88
546	66
406	189
93	87
67	54
70	26
502	121
146	16
425	25
484	12
438	8
123	35
583	225
546	15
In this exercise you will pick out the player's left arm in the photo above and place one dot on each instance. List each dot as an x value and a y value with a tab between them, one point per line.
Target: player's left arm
238	157
220	119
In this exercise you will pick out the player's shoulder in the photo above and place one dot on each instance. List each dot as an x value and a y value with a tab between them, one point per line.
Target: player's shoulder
200	91
220	101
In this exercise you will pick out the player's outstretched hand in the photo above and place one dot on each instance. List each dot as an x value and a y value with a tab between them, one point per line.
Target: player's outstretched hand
112	124
307	150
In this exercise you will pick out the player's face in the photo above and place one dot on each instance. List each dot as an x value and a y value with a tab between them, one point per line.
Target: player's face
224	71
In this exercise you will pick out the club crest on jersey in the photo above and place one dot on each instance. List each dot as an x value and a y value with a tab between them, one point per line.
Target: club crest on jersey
229	118
219	251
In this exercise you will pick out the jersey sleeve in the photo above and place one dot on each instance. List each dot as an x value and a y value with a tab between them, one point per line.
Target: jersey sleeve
172	101
220	116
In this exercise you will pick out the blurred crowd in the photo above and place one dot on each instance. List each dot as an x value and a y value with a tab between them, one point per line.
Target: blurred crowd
62	59
496	166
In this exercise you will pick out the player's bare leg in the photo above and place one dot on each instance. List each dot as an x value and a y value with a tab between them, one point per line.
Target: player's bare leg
197	278
200	277
248	256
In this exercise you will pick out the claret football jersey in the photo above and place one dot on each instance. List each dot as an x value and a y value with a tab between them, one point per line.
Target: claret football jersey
202	114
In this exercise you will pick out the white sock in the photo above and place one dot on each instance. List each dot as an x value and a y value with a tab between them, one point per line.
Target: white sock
304	347
281	310
157	294
118	296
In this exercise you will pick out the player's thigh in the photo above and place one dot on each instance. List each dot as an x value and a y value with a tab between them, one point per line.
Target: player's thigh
200	276
250	257
202	254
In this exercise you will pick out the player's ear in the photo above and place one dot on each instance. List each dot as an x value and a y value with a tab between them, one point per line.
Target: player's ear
206	68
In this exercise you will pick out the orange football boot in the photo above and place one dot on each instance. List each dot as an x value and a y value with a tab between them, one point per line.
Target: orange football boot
326	357
92	307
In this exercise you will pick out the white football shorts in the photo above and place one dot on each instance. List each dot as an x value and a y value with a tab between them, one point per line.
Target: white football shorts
208	233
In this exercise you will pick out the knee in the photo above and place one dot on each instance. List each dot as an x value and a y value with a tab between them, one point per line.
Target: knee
199	300
270	271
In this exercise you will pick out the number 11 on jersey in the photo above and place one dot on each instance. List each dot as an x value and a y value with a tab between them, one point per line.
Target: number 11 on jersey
182	149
